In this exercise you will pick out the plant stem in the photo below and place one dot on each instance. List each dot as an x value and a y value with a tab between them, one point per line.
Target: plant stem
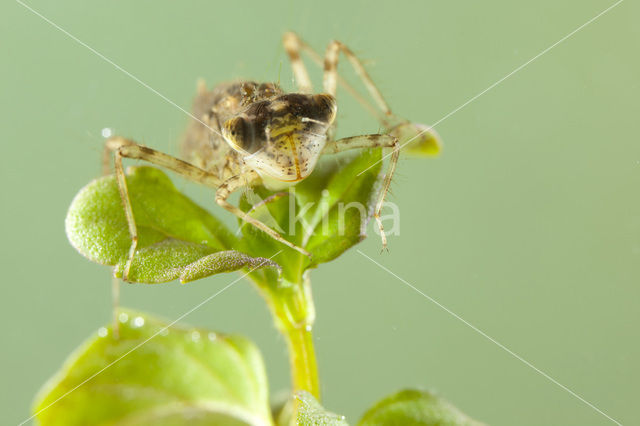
302	360
294	314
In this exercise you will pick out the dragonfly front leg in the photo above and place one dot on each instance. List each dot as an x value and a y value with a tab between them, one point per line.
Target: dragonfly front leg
372	141
126	148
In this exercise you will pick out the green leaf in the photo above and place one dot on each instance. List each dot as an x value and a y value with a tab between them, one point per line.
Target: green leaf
311	413
224	261
97	227
273	209
327	213
155	374
341	215
308	412
177	238
417	139
174	259
332	208
414	407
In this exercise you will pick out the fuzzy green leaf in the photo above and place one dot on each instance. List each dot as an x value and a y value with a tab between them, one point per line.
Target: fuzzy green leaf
344	207
224	261
152	374
417	139
177	238
272	208
172	259
311	413
327	213
97	227
307	412
414	407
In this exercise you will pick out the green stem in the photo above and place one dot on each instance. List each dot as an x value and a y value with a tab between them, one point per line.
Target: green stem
294	314
302	360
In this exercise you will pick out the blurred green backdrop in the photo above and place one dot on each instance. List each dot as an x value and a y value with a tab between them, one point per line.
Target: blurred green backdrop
528	226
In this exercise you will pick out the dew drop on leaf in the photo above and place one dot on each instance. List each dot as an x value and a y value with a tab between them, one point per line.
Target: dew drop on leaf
138	322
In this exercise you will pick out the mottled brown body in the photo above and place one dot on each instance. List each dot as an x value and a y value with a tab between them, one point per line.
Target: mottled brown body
206	148
247	125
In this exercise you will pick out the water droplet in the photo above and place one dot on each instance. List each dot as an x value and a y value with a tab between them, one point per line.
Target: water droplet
138	322
102	332
123	317
195	335
106	132
325	192
212	336
308	327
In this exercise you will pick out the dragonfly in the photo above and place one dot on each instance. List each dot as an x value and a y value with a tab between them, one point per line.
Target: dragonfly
245	134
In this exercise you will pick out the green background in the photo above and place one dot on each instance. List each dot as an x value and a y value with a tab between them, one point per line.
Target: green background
527	227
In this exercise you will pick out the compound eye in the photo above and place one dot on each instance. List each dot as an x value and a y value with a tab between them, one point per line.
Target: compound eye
328	106
234	130
240	134
234	127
